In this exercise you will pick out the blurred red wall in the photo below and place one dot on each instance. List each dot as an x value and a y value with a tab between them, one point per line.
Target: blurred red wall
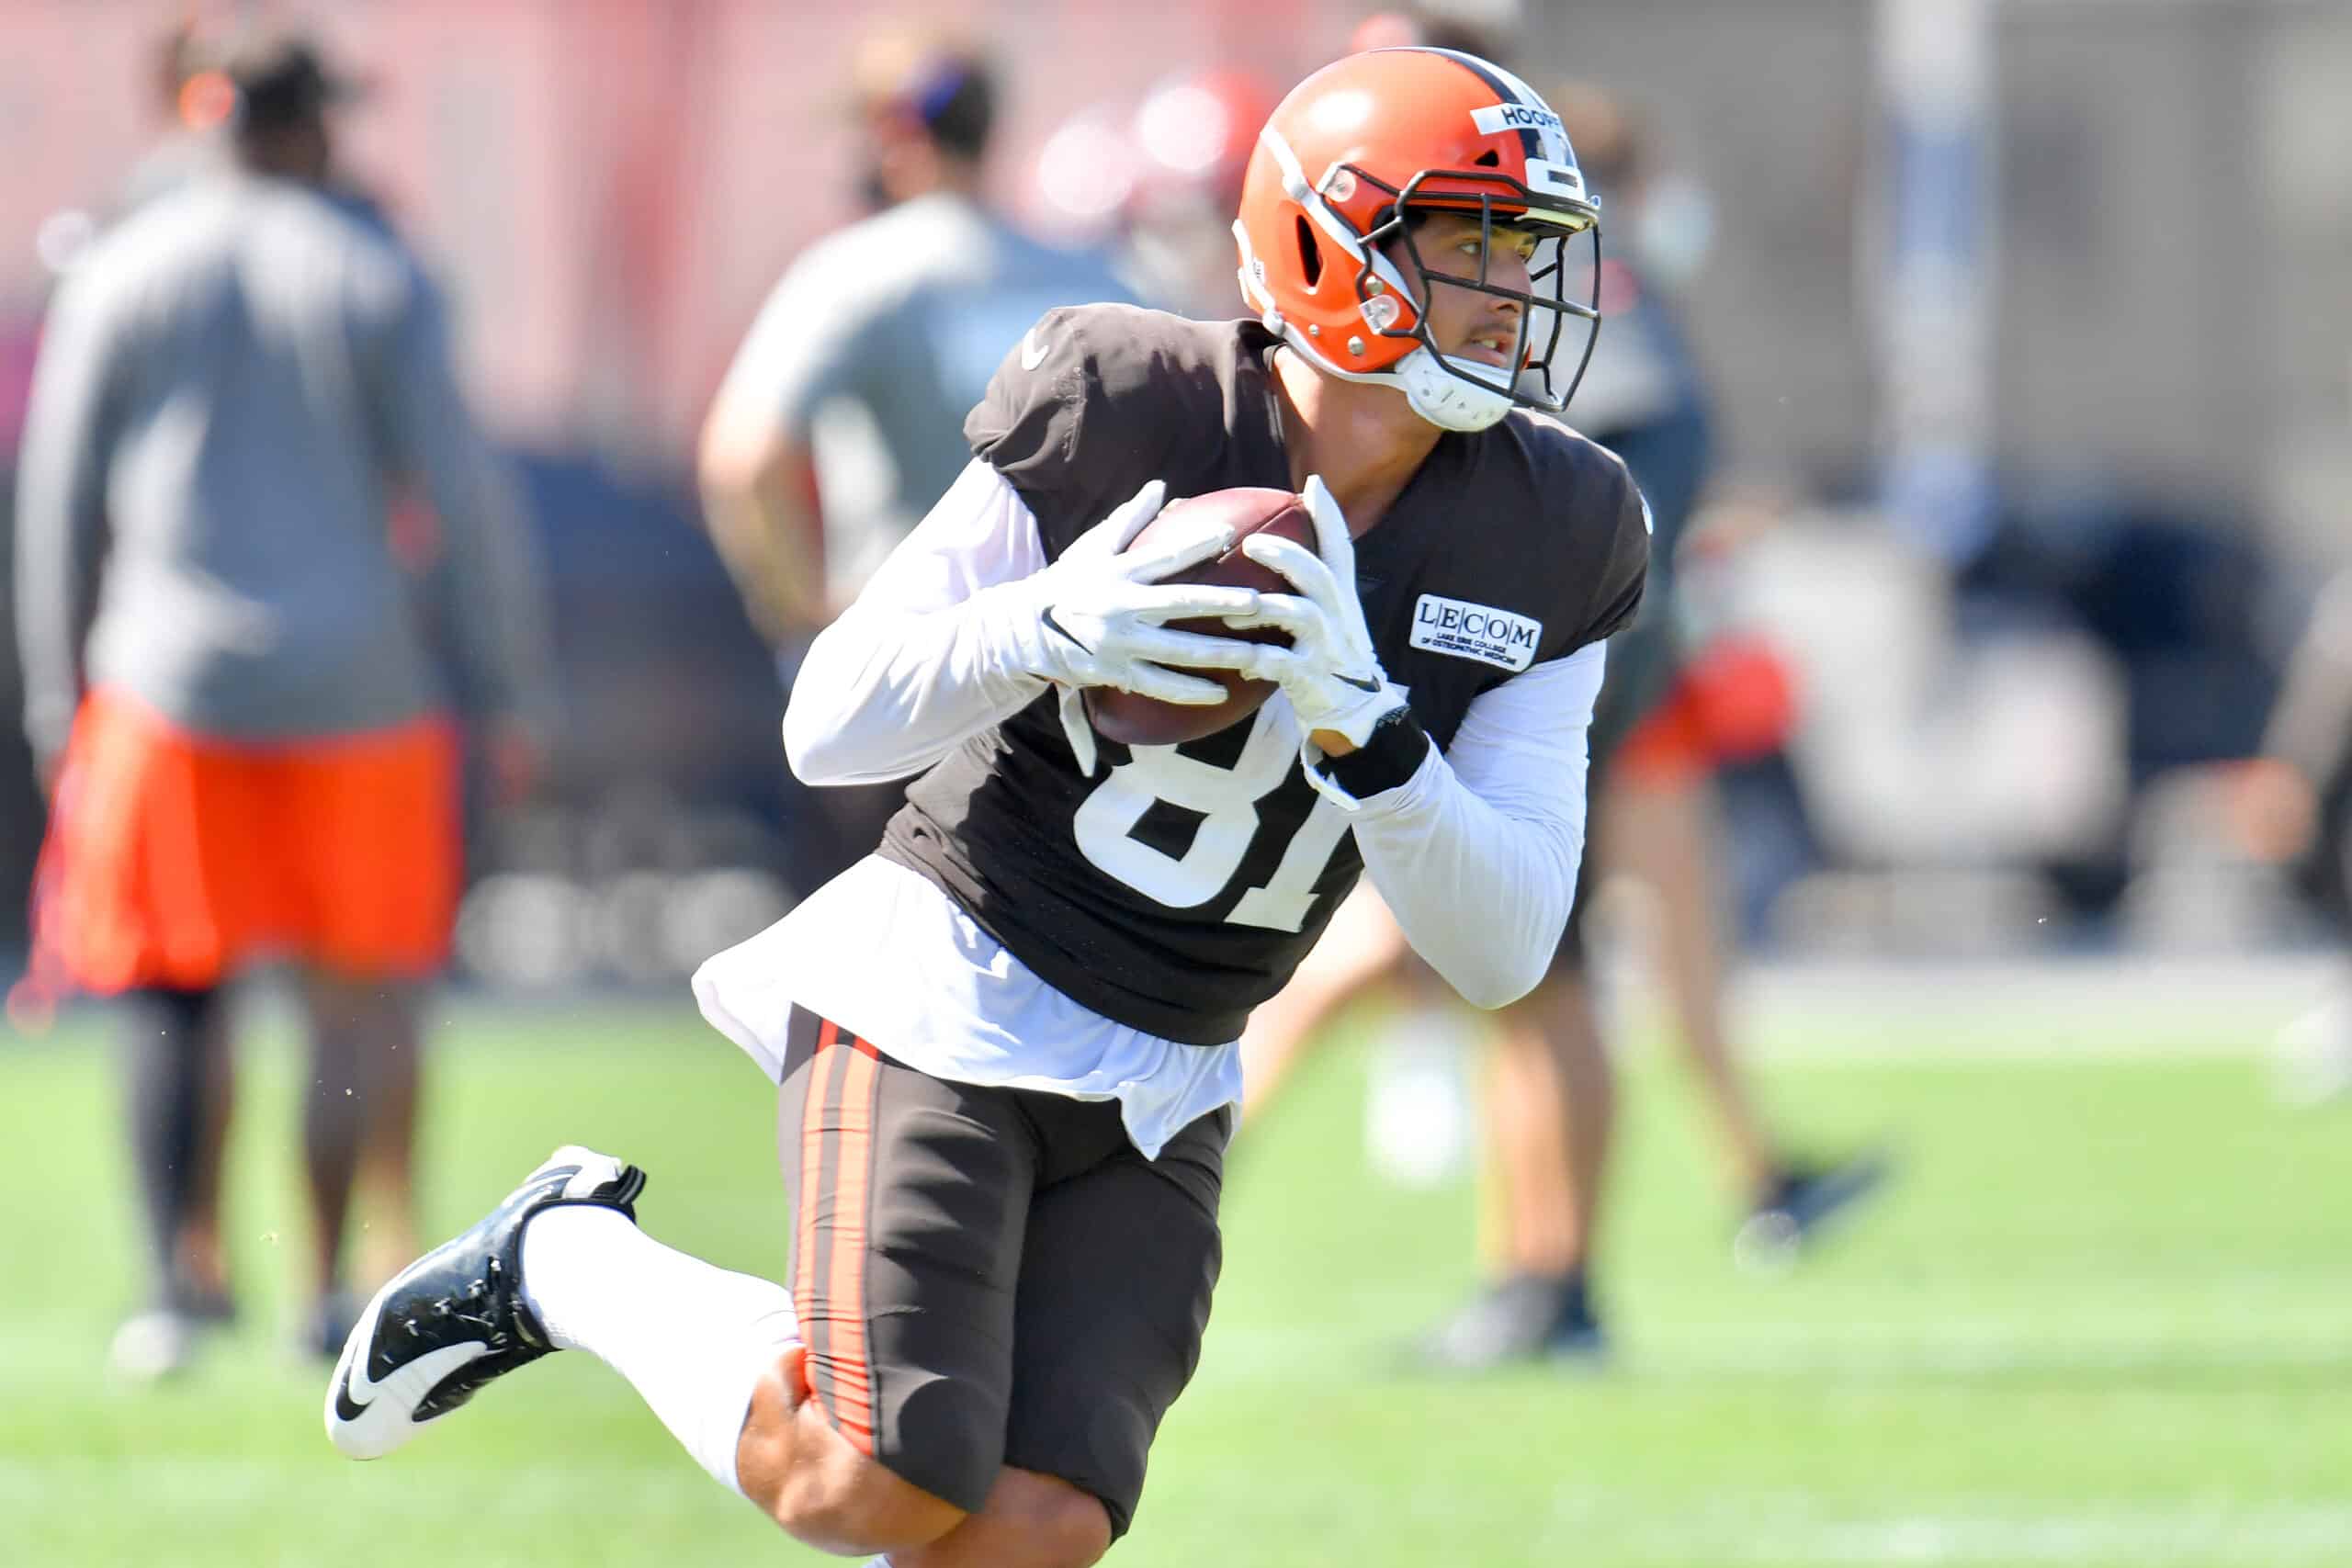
608	185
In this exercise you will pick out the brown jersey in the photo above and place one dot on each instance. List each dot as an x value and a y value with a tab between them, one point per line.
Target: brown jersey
1179	888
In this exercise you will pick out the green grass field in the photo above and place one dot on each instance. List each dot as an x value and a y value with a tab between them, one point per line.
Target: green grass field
2104	1318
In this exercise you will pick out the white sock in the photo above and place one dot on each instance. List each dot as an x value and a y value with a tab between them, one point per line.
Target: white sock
692	1339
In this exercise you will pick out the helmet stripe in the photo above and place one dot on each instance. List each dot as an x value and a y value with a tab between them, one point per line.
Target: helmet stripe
1506	86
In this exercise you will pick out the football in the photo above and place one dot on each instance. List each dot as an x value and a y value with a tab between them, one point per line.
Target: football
1142	721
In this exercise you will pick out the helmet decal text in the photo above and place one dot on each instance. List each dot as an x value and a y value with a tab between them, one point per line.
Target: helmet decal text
1495	118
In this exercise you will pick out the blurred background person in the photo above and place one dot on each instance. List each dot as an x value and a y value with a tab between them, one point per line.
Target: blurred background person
231	688
1553	1104
1466	28
2293	807
1192	136
1552	1098
1075	189
841	420
188	105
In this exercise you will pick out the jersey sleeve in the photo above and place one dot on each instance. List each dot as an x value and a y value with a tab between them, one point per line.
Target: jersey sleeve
1081	413
1477	853
1600	513
1626	574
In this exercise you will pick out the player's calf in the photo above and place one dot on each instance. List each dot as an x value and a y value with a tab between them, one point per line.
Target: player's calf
813	1482
809	1480
1029	1521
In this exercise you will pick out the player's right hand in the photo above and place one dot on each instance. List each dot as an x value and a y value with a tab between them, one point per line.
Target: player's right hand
1097	616
1329	671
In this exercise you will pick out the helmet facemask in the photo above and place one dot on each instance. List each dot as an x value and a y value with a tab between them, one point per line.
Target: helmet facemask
1466	394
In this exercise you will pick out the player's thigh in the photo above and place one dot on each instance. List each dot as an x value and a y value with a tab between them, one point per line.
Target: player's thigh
910	1197
1115	1282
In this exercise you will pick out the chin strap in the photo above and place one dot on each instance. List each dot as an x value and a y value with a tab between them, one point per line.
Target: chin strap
1438	395
1441	396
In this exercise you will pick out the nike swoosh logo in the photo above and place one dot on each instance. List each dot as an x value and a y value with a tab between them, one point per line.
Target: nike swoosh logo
1358	685
1033	353
1046	616
358	1390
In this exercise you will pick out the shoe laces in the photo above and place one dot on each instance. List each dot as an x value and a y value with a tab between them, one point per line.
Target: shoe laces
481	1306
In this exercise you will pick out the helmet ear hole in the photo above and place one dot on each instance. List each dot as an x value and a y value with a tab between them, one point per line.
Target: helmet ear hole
1311	255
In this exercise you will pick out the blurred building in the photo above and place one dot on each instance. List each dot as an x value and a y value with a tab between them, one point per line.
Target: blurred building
613	184
2172	231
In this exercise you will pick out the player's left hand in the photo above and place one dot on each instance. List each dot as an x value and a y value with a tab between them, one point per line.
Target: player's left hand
1329	671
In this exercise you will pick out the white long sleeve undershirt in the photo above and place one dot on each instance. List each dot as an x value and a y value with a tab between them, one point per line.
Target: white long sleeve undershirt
1477	853
923	658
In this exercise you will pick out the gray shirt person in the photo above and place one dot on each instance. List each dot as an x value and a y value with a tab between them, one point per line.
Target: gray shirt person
906	315
233	386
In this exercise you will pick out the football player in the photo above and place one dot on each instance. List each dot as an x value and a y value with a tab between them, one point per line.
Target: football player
1006	1042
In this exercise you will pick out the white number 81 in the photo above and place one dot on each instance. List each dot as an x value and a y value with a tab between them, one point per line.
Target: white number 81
1226	800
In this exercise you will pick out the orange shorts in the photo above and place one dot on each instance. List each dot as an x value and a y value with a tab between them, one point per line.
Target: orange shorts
1669	746
175	858
1733	703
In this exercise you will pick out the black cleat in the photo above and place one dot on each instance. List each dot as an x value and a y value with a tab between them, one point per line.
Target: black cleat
1528	1318
1803	1202
455	1318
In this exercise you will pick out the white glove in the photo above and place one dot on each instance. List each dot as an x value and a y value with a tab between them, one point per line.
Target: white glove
1095	616
1330	672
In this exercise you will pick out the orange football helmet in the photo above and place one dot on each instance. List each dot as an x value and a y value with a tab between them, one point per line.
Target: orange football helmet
1346	158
